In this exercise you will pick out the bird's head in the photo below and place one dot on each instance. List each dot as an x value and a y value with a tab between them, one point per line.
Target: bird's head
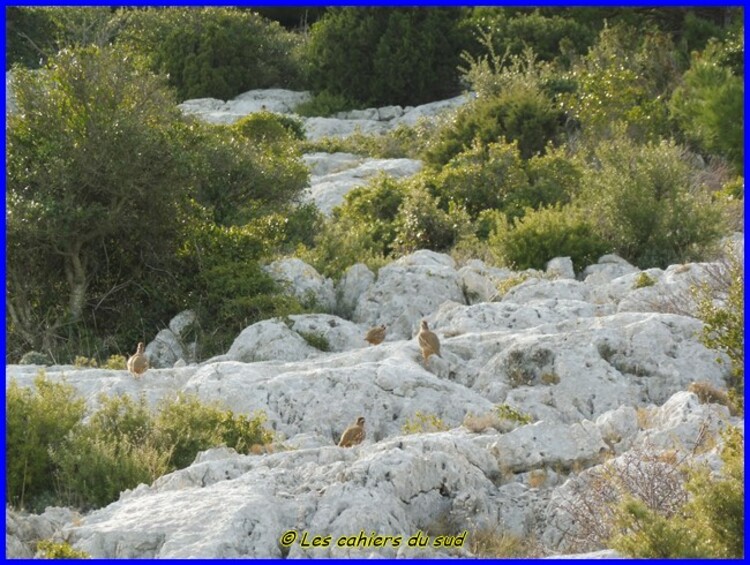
140	347
424	325
361	421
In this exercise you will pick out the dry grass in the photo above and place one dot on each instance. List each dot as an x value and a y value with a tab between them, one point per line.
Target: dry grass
537	478
494	543
645	417
709	394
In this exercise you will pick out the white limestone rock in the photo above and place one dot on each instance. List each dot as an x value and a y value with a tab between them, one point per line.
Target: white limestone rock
618	427
608	267
355	282
269	340
304	282
412	115
479	282
561	267
392	488
337	333
23	530
322	164
535	289
317	127
408	290
165	350
328	191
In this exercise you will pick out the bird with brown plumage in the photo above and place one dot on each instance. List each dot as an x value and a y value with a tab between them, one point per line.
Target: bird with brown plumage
354	434
138	362
428	342
376	335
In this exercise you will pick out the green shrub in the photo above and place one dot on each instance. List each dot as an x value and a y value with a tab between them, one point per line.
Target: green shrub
269	128
361	230
553	179
37	421
34	358
49	549
707	103
643	280
115	363
352	52
214	52
724	325
508	412
542	235
93	468
186	425
647	202
324	104
520	113
710	524
481	177
547	34
624	79
422	224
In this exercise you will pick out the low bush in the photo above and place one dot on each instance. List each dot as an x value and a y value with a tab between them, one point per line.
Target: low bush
214	52
54	457
37	421
542	235
647	201
48	549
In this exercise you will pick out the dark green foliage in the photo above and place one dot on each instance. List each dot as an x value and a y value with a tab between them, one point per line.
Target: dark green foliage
362	229
647	204
380	56
54	457
37	420
541	235
422	224
238	178
226	284
551	36
520	113
324	103
267	127
624	78
553	179
90	155
709	101
710	524
214	52
29	36
482	177
186	426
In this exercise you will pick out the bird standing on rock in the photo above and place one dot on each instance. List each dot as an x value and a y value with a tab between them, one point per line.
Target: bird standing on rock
138	362
375	335
354	434
428	342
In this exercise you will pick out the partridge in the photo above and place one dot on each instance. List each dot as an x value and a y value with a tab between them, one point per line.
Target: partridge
354	434
138	362
375	335
428	342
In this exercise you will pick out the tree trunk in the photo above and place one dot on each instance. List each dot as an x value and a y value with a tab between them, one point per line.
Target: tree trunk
75	272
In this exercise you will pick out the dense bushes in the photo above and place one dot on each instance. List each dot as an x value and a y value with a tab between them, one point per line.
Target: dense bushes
37	420
541	235
709	103
214	52
648	203
54	457
377	56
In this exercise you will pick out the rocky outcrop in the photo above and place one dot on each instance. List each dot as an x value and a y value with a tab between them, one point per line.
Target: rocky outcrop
590	384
